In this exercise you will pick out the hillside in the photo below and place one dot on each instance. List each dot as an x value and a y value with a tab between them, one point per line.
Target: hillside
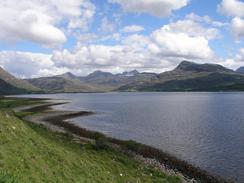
97	81
113	81
39	155
8	89
12	85
189	76
62	83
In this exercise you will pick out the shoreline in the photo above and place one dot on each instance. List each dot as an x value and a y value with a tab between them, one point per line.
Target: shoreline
57	120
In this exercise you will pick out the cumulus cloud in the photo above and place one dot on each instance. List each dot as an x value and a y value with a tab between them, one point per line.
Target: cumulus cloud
160	8
40	21
205	19
234	8
130	53
240	56
237	27
27	64
192	28
161	50
180	44
132	29
235	62
107	26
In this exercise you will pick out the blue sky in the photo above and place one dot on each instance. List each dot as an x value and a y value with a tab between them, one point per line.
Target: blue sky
82	36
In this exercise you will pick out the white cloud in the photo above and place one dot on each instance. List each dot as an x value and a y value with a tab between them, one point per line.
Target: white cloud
130	54
27	64
160	51
240	56
40	21
157	52
180	44
237	27
235	62
234	8
132	29
192	28
107	26
87	37
160	8
205	19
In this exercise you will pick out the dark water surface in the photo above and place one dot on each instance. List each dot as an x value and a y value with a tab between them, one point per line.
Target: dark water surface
205	129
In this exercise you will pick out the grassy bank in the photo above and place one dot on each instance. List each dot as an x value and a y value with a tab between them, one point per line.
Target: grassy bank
171	162
31	153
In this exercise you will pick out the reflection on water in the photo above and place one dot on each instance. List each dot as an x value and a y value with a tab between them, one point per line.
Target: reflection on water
206	129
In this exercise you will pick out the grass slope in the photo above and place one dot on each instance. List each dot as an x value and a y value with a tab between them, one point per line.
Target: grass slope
31	153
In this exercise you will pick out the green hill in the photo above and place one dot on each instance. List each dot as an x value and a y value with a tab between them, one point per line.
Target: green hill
31	153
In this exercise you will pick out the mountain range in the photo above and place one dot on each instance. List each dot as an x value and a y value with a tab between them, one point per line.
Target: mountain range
187	76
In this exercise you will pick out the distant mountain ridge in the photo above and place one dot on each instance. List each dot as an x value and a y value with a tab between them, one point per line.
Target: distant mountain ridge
187	76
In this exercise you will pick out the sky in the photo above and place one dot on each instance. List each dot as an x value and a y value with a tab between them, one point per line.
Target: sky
48	37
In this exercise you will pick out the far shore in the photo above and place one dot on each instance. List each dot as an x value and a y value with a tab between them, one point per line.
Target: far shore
56	120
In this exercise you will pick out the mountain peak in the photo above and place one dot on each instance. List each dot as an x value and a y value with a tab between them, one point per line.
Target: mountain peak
185	65
99	73
68	75
130	73
195	67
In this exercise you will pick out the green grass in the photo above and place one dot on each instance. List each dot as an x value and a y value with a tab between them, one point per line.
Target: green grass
9	103
31	153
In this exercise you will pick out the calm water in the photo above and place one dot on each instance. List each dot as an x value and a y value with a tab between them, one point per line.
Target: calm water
206	129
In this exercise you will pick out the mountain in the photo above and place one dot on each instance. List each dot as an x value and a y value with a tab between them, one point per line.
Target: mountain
189	76
68	75
98	75
130	73
97	81
240	70
11	85
114	81
63	83
194	67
